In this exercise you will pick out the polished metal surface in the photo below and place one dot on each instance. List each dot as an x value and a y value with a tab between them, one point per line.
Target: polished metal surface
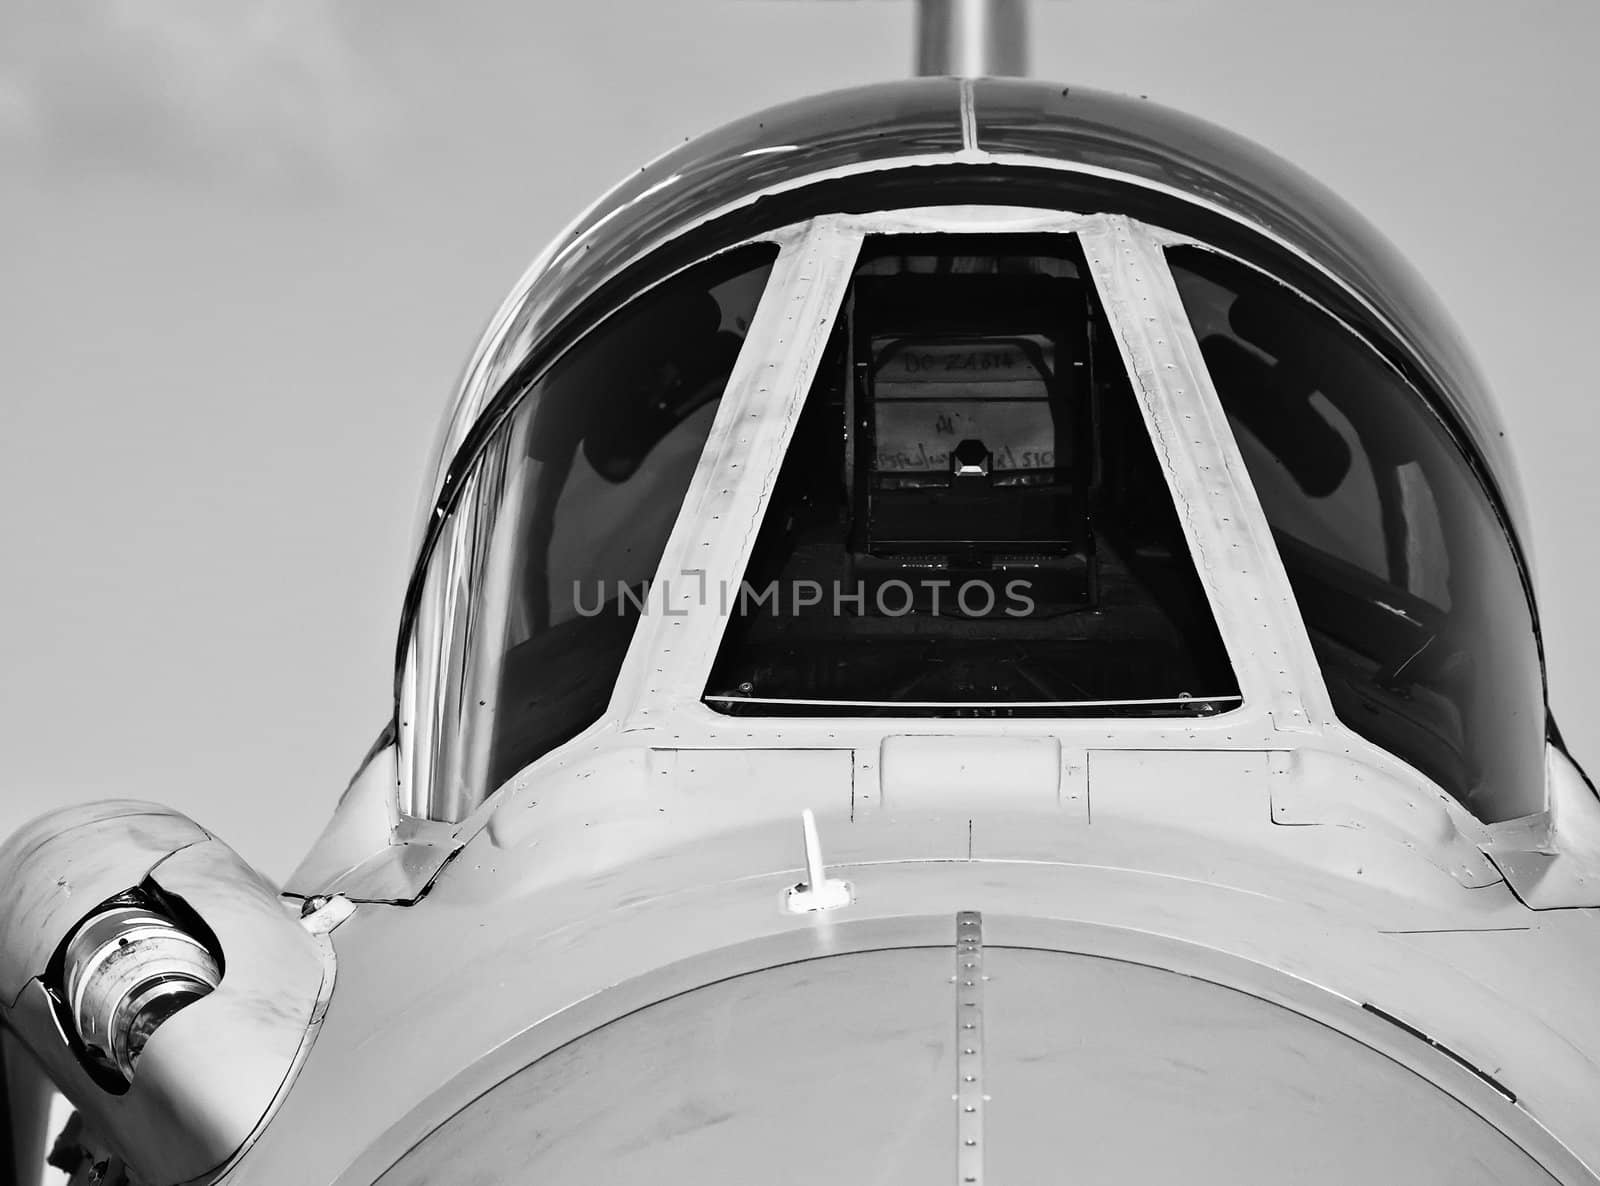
1106	1074
831	1071
128	970
618	928
57	868
972	38
210	1074
1098	1071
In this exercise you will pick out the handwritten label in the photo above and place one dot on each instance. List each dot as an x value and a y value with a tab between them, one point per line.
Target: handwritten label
919	436
933	395
960	363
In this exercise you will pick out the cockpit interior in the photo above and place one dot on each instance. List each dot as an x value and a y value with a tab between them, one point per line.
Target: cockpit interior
970	518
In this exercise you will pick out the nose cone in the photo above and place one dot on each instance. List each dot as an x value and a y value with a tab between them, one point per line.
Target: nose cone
853	1069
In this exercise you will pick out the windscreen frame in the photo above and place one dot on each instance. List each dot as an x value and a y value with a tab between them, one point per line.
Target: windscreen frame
675	660
657	696
922	602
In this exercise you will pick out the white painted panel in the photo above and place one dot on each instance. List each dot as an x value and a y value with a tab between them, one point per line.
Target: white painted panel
969	772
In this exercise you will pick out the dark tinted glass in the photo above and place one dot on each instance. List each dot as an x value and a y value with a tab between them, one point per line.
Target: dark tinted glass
772	148
1404	574
971	518
589	473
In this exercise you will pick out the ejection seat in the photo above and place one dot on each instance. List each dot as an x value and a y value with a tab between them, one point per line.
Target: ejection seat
974	434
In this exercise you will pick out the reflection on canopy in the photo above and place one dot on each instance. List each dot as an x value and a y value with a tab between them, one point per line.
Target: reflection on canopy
1404	577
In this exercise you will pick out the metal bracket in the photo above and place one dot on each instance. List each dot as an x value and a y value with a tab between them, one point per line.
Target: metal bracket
320	914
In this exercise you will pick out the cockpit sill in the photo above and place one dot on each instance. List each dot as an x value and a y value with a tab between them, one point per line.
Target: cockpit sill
1151	799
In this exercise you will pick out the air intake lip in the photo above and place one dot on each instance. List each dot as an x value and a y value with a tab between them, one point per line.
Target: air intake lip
128	969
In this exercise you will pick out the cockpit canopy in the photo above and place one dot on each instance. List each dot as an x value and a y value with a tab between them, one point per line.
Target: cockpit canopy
975	511
946	141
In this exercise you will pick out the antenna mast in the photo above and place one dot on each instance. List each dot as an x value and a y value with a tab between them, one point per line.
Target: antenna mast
972	38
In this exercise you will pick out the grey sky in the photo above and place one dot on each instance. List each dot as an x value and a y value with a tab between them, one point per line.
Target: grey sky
246	244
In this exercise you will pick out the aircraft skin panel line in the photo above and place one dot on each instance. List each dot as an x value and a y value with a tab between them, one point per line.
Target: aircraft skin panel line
1184	421
969	1037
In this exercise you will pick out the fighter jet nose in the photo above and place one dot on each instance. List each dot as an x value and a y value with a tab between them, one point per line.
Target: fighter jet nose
958	1064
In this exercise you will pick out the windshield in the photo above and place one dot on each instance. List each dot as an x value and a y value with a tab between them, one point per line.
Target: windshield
971	517
569	510
1404	576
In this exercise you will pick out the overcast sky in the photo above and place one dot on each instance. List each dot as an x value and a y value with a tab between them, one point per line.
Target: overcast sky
245	246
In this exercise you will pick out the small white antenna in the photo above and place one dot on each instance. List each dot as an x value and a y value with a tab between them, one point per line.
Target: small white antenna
972	38
817	891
